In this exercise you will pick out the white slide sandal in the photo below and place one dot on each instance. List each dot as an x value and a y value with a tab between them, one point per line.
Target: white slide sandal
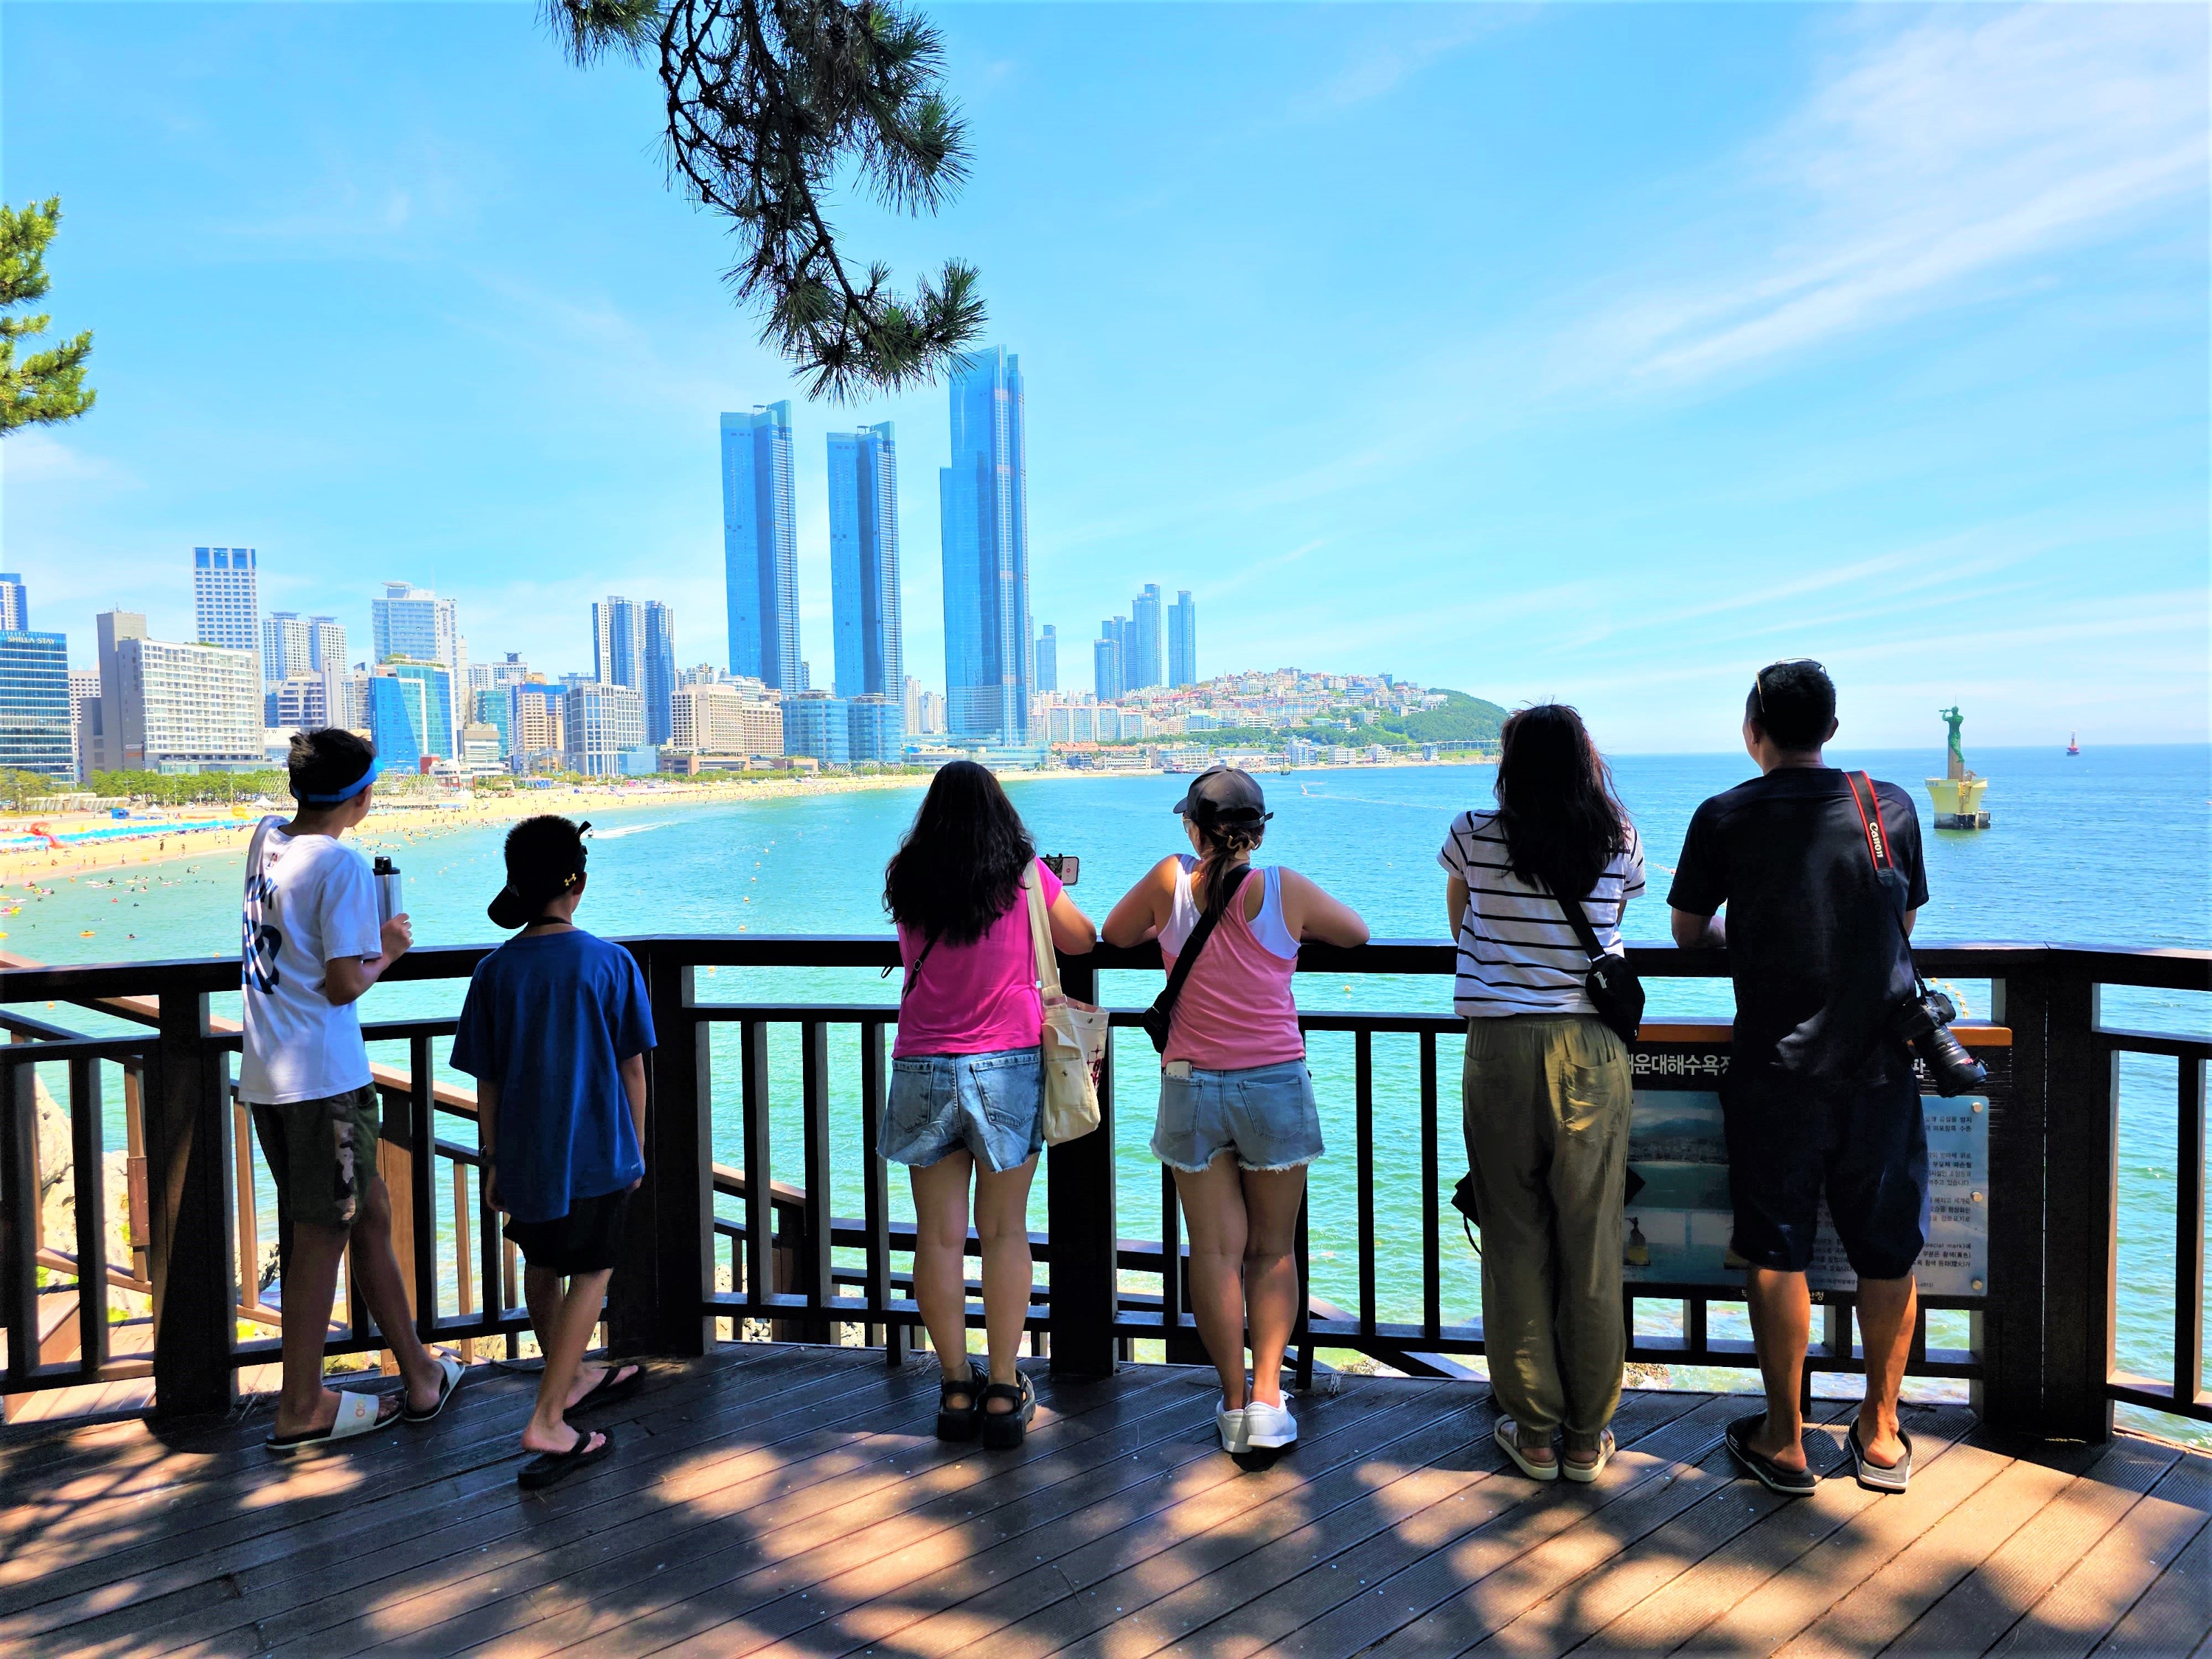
358	1413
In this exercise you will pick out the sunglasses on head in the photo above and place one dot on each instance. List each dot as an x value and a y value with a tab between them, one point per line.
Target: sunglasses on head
1759	680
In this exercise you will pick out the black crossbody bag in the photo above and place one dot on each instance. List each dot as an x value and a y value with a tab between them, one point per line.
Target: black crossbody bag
1162	1013
1612	987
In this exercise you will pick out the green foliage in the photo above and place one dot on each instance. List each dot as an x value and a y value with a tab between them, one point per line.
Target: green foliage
1461	719
46	388
767	102
16	788
190	789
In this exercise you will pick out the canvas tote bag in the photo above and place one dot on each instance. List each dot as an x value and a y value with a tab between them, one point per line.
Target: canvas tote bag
1073	1038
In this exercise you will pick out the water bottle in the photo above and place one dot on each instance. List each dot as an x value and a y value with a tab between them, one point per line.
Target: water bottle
389	902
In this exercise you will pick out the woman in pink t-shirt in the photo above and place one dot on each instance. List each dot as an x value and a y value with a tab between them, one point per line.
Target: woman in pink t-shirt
967	1078
1237	1121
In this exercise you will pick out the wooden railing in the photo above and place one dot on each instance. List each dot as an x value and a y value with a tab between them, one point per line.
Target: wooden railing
2040	1353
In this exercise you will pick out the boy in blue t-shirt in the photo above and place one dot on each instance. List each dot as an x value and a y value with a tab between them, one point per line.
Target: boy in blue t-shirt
555	1030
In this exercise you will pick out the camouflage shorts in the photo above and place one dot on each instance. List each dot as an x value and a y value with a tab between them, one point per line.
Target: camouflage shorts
322	1155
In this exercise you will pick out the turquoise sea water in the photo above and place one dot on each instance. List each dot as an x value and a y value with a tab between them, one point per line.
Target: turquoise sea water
2114	847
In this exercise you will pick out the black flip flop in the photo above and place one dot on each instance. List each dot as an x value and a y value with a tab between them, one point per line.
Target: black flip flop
1878	1477
613	1386
1790	1483
547	1467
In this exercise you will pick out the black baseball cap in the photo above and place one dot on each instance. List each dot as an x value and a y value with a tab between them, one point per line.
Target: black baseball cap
1223	794
545	857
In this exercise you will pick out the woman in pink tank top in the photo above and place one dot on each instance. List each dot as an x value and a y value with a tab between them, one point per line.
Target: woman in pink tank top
1237	1121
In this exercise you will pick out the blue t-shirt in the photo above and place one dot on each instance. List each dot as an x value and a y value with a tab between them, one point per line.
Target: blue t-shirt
549	1019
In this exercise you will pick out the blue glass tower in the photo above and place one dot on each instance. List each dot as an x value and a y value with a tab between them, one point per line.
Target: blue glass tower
36	715
633	644
864	573
434	733
396	718
760	545
983	497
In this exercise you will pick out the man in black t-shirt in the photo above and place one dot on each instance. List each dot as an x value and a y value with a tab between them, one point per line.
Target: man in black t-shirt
1820	1095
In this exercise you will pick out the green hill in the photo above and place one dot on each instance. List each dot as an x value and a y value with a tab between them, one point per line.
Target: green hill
1461	719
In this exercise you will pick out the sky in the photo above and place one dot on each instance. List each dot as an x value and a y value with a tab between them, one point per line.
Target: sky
1591	352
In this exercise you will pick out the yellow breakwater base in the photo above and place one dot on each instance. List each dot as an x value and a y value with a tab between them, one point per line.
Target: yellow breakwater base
1958	802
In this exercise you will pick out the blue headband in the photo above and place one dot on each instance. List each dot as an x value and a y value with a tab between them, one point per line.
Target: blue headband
344	794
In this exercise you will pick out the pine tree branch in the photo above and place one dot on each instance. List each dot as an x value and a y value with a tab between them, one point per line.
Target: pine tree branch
48	387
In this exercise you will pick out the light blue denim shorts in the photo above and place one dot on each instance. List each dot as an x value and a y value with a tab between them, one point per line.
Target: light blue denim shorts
993	1105
1265	1114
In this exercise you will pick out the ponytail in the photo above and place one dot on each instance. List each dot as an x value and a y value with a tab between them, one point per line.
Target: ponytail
1226	844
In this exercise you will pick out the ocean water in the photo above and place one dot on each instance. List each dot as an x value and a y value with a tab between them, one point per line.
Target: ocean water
2111	847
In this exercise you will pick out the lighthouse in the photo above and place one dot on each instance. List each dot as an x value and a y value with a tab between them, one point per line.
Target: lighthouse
1958	793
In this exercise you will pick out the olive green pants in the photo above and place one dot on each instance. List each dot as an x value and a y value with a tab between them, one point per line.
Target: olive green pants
1547	1103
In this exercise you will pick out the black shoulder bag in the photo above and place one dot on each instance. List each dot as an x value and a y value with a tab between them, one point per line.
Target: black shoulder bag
1612	987
1158	1017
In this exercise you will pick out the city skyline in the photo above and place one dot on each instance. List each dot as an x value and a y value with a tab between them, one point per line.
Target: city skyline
1719	336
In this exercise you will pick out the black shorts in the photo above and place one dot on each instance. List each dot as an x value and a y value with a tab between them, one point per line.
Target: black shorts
583	1240
1866	1148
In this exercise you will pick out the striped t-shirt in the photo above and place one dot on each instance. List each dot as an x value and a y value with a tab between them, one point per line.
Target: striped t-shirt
1518	953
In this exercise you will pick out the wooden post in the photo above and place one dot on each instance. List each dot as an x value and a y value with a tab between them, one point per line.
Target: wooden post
2008	1331
875	1189
188	1160
418	1268
657	1300
1080	1211
815	1280
20	1217
2079	1247
88	1152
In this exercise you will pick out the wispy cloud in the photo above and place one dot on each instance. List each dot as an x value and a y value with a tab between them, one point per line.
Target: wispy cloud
1929	161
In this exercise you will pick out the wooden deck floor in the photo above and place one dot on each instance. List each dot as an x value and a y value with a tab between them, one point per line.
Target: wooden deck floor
792	1499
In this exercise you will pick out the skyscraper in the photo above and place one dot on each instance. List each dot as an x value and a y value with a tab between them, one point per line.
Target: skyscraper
36	712
863	569
603	723
1140	646
760	545
84	719
439	731
415	624
15	603
984	503
1182	640
1047	659
633	644
396	722
287	647
1106	663
327	644
226	597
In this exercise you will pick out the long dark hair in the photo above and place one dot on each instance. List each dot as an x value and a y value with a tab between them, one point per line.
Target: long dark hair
959	868
1556	803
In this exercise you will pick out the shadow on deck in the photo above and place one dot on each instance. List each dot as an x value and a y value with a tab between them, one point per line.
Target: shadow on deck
792	1498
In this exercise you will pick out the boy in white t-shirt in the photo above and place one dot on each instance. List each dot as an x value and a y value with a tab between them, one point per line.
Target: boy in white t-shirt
312	945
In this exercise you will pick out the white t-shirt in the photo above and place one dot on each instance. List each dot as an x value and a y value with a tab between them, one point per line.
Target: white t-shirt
1518	953
308	898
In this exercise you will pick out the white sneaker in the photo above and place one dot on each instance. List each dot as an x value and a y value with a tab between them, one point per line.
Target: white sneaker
1269	1426
1230	1422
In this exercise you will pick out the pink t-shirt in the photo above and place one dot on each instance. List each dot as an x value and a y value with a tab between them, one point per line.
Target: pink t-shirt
978	998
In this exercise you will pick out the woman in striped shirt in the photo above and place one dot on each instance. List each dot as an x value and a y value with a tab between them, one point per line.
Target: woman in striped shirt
1547	1085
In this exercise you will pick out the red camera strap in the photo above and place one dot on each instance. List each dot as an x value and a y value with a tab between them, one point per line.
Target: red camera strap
1869	811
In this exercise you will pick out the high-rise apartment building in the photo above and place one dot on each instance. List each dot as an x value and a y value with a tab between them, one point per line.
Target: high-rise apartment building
1047	659
983	503
1182	640
603	724
327	644
633	644
15	603
760	545
227	598
165	707
1106	662
287	647
301	702
1140	645
864	565
84	720
36	715
536	738
494	707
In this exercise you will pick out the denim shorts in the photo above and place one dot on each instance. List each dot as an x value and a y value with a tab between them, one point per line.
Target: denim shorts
992	1105
1264	1113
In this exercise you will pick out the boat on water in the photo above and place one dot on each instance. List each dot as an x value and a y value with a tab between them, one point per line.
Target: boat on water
2073	743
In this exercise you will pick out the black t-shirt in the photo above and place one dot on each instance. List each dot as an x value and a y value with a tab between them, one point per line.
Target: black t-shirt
1814	946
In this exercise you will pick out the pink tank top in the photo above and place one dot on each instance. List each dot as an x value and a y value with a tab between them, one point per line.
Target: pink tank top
1236	1010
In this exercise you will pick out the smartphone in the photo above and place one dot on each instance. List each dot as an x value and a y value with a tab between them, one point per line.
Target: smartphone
1067	866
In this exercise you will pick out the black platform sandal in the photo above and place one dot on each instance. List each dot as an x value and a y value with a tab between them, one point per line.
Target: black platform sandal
958	1423
1003	1429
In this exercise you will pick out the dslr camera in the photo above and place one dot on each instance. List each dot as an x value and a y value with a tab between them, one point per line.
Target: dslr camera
1923	1020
